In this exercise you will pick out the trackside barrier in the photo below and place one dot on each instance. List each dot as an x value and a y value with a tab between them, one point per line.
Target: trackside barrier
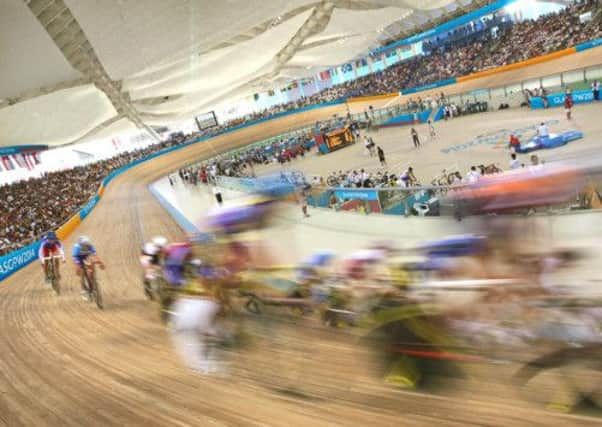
18	259
89	206
588	45
65	230
438	114
557	99
434	85
277	184
408	119
180	219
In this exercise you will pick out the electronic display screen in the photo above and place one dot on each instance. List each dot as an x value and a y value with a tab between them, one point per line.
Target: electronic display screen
206	121
339	138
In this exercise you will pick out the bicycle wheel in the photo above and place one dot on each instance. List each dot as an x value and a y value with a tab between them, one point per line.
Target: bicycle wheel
148	290
54	279
96	293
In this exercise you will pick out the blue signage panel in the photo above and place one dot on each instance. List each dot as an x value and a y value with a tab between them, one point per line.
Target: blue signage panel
89	206
557	99
348	194
18	259
588	45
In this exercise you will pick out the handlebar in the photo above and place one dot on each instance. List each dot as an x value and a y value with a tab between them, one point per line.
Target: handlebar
89	263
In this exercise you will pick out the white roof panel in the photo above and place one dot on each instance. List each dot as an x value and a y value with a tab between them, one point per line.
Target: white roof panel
29	58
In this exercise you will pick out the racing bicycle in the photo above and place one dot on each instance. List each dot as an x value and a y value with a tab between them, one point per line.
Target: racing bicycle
91	284
154	285
52	274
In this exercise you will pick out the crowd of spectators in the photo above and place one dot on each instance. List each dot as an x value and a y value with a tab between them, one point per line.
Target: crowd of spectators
470	50
32	207
243	163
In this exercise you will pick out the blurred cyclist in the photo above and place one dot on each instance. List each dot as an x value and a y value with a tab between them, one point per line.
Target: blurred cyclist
176	264
83	250
50	246
151	258
205	295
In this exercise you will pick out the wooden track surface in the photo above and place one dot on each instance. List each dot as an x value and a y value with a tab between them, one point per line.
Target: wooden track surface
63	362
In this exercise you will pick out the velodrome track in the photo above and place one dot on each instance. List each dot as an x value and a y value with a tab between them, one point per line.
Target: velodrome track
63	362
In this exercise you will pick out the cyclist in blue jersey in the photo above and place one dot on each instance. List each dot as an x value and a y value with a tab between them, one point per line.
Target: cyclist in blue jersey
83	250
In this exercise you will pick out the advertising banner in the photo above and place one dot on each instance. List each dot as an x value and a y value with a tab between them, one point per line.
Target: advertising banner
557	99
588	45
404	119
408	119
89	206
18	259
344	194
276	184
364	201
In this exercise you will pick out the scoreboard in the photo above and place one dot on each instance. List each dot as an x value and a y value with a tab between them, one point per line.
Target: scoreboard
206	121
338	139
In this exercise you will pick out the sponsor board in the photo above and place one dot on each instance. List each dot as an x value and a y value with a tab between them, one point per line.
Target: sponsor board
356	194
18	259
589	45
89	206
557	99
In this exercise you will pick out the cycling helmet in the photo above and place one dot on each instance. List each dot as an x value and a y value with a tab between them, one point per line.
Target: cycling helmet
51	236
151	249
159	241
84	242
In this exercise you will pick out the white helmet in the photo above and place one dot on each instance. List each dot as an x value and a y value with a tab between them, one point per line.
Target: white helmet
159	241
150	249
84	240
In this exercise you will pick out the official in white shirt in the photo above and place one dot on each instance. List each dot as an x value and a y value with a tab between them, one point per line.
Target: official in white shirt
543	130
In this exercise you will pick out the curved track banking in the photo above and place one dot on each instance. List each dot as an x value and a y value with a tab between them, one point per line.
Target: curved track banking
63	362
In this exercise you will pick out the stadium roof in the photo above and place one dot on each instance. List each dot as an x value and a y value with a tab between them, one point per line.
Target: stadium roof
70	69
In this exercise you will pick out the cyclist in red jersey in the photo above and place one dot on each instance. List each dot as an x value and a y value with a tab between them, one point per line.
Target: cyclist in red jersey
50	246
